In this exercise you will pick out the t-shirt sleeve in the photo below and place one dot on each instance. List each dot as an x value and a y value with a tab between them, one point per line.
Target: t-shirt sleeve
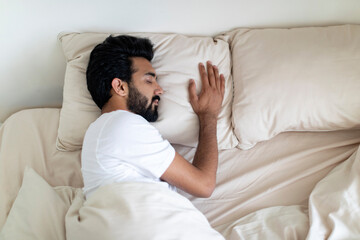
130	139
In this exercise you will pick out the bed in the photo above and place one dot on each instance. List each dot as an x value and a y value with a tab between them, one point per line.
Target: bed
288	136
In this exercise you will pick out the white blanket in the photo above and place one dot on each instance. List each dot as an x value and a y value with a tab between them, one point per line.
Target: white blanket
136	211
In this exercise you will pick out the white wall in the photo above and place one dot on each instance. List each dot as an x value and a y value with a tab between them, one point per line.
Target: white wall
32	66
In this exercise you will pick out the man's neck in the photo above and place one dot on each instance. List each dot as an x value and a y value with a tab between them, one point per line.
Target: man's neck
113	106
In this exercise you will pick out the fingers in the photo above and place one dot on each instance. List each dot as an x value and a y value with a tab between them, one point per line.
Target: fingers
217	77
192	91
203	75
222	84
210	98
211	75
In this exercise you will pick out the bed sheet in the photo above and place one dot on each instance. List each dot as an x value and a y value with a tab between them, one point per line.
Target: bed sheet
279	172
333	211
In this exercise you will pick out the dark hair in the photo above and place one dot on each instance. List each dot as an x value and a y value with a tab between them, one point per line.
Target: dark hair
112	59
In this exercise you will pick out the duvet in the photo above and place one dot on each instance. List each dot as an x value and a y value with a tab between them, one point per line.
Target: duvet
136	211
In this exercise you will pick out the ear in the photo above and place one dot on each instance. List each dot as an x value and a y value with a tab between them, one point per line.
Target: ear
120	87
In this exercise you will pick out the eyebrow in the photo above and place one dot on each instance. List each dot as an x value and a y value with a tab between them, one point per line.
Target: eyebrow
151	74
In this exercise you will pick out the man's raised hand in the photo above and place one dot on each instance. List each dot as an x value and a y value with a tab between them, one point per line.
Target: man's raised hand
208	103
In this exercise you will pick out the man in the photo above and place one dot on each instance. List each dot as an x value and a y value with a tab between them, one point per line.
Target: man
121	145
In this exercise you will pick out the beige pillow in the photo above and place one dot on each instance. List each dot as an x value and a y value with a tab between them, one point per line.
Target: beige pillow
175	61
299	79
39	210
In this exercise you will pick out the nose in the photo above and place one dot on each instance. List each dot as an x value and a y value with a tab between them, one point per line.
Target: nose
158	90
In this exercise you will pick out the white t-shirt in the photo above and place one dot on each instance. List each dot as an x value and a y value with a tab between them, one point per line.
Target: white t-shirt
122	146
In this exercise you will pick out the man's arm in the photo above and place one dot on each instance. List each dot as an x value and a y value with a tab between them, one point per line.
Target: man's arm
199	178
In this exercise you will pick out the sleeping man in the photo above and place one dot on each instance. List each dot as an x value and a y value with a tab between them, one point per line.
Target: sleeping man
121	145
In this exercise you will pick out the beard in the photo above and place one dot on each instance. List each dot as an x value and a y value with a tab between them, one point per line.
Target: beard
137	103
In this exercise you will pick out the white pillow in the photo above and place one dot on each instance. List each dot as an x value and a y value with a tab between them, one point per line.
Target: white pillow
175	61
299	79
39	210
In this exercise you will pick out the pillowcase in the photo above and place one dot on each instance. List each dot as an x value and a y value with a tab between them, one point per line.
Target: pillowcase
176	59
39	210
299	79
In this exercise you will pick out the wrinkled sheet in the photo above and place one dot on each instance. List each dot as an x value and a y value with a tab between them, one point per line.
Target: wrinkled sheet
136	211
334	204
275	223
334	212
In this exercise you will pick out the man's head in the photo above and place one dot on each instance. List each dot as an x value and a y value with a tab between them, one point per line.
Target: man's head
120	76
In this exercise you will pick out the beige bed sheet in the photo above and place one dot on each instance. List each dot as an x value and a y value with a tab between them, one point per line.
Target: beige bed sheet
280	172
